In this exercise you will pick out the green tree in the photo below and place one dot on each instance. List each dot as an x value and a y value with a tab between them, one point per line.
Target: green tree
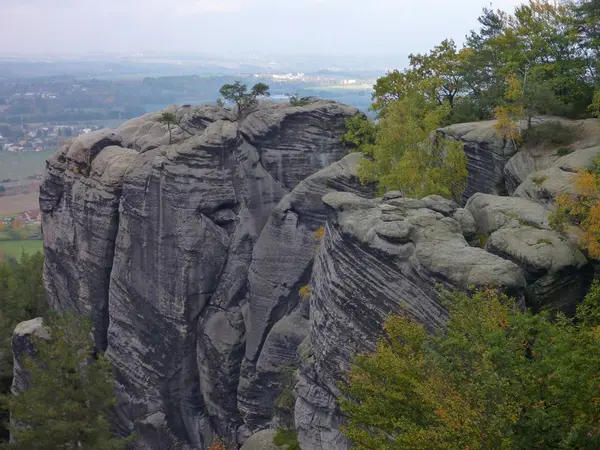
2	189
405	157
70	393
170	120
595	106
238	94
22	297
441	72
360	133
496	377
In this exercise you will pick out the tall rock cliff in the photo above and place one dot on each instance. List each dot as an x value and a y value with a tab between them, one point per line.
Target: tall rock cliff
189	250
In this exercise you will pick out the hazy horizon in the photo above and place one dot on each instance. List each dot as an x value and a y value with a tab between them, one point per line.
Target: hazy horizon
314	27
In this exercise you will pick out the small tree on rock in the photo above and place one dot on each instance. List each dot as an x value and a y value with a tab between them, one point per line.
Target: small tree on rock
237	93
170	120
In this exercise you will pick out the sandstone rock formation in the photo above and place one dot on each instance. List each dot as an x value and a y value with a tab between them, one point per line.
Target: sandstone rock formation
23	346
189	251
543	186
161	244
487	154
544	156
385	256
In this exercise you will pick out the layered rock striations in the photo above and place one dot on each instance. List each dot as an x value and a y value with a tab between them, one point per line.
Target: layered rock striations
155	235
391	255
487	154
189	249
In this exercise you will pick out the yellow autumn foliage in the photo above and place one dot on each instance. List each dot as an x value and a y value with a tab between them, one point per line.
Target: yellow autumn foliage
582	208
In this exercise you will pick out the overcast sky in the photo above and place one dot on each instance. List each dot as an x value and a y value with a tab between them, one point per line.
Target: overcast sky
270	26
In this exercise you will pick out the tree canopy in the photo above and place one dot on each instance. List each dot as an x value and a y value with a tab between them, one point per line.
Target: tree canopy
542	59
496	377
238	94
71	391
22	297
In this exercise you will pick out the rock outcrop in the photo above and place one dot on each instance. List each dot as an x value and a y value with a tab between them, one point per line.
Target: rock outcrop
23	347
543	186
190	250
386	256
487	154
157	235
380	257
544	156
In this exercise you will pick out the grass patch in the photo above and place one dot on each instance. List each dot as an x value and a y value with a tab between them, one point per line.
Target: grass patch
554	133
286	436
539	179
15	248
564	151
483	239
19	165
544	241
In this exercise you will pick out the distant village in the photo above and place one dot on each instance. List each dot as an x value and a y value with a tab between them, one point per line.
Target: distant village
42	138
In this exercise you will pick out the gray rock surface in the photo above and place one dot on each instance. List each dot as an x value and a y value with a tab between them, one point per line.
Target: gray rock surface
281	265
161	243
80	215
545	185
544	156
518	229
263	440
487	154
380	257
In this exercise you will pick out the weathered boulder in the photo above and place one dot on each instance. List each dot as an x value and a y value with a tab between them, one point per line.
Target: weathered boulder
23	347
524	163
487	154
543	156
263	440
380	257
518	229
545	185
86	147
155	239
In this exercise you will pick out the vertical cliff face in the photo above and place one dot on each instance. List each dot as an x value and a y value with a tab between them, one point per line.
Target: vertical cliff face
487	154
389	255
155	237
189	250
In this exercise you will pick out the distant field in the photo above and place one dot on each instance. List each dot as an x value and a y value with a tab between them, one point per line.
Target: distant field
14	204
15	248
22	165
341	87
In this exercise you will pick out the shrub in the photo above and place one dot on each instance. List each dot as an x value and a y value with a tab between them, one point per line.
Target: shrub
304	291
483	239
301	101
564	151
286	436
217	444
320	233
553	133
496	377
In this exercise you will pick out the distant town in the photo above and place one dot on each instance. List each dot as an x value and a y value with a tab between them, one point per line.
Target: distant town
42	138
